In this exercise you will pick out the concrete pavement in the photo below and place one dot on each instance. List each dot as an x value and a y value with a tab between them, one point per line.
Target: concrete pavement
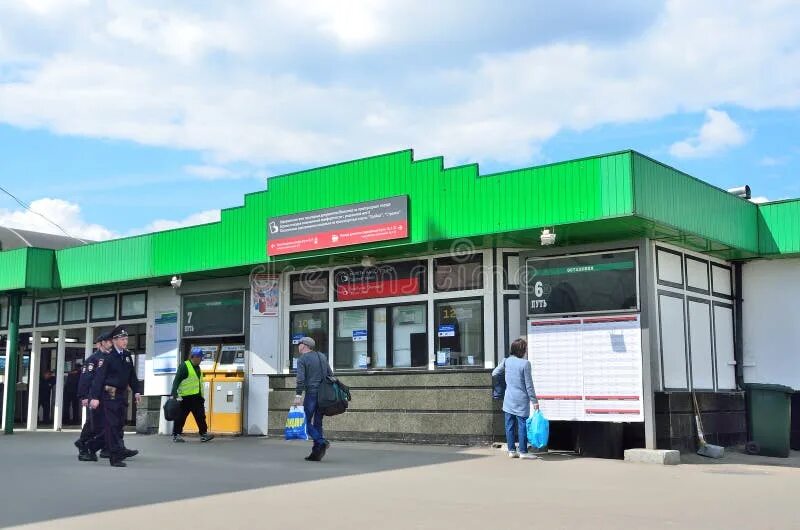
255	482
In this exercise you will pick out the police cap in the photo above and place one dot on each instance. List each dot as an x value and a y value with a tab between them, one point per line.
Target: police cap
119	332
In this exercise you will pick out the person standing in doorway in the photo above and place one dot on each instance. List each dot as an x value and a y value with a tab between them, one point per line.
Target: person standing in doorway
46	384
312	368
518	398
115	374
187	387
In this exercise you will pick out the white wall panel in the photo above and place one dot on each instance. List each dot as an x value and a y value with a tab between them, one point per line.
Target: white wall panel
673	343
700	351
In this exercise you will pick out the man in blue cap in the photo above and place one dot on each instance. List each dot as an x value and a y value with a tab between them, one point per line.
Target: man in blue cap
115	374
93	428
187	387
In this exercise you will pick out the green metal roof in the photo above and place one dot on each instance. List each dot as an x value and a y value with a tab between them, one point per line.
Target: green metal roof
26	269
605	197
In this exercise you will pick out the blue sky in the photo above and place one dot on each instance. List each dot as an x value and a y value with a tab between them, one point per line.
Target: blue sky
124	117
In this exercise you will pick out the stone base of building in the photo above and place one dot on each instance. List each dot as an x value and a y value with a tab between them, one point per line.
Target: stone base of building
147	415
723	415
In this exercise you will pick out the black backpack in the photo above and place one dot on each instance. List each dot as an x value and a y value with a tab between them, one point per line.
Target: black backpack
333	395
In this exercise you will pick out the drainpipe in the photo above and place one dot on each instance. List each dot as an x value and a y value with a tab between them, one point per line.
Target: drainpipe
738	333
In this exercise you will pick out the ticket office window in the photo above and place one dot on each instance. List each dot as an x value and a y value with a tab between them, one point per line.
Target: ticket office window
459	332
386	336
312	324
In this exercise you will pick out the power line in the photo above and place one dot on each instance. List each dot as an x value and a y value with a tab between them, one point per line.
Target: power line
28	208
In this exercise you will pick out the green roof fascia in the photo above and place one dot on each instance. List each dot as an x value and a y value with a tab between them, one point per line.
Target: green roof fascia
26	269
779	228
445	204
695	209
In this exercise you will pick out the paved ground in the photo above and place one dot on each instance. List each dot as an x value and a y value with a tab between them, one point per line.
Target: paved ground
260	483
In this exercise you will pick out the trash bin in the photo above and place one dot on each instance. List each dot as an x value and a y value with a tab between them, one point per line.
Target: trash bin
769	409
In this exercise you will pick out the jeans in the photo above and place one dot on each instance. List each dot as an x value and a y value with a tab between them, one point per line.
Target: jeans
313	420
517	423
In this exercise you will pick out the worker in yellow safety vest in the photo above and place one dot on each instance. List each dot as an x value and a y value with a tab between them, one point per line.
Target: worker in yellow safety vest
188	389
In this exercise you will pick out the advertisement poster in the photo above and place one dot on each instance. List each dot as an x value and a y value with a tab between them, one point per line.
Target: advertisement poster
352	224
165	356
264	295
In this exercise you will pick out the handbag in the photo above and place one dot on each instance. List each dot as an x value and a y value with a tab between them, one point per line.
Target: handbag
172	409
333	395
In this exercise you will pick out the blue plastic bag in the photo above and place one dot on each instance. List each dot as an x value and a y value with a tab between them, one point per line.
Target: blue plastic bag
538	429
296	424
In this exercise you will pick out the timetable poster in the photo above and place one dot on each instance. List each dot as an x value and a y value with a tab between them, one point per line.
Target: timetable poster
588	369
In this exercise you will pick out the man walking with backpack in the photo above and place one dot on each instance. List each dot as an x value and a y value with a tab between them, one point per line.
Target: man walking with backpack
312	368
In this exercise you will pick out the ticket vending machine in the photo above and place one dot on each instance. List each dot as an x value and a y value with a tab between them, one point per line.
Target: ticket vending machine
208	366
228	391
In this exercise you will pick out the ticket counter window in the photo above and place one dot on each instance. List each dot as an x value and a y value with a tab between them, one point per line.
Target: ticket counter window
312	324
459	333
351	346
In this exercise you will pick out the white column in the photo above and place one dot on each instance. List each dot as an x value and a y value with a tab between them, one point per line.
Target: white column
59	405
87	352
33	381
489	316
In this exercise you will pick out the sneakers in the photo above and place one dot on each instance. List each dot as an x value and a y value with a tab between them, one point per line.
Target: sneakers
206	437
528	456
177	438
513	454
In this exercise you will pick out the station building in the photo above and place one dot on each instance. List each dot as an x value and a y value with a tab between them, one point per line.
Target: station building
635	284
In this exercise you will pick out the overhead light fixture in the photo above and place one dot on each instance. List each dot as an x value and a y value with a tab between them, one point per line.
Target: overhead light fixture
176	282
547	238
368	261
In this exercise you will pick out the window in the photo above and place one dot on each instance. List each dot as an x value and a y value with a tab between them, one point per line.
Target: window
351	344
103	308
511	279
459	332
513	316
312	324
309	288
47	313
133	305
26	313
74	311
382	281
458	273
3	313
393	336
670	268
409	337
697	275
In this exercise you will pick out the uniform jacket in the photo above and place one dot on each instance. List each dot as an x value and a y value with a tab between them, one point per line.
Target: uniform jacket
115	369
87	374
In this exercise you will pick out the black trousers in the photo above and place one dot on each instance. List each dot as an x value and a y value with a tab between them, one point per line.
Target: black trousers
92	431
196	405
113	411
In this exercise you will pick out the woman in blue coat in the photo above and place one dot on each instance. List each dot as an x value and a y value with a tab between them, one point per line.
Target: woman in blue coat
518	398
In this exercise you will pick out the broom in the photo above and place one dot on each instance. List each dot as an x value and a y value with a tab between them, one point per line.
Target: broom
705	449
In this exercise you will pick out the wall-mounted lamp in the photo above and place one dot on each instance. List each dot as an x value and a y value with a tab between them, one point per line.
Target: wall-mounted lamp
176	282
547	238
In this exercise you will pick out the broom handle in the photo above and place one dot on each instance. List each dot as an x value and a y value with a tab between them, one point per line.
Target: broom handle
697	416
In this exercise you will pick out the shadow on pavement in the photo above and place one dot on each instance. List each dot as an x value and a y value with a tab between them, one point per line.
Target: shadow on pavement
41	478
737	456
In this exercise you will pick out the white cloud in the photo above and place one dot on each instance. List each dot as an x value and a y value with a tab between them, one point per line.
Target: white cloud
208	216
759	200
773	161
718	133
65	214
279	82
68	216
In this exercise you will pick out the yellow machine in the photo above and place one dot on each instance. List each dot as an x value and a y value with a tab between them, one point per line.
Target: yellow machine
208	365
228	391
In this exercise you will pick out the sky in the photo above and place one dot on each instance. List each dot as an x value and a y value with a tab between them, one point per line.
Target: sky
124	117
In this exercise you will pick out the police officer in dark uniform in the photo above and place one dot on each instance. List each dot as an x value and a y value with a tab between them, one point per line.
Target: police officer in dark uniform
115	374
92	433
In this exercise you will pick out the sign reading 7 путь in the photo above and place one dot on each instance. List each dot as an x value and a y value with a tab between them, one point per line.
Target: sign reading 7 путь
353	224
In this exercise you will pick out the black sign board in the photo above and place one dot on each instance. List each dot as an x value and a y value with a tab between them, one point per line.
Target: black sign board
352	224
213	314
582	283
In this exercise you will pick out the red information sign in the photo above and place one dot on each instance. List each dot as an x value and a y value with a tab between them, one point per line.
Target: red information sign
354	224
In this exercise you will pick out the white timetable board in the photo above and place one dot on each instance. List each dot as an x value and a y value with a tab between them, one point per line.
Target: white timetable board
588	369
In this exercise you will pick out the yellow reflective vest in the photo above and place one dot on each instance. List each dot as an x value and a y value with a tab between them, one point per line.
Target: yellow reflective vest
191	385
